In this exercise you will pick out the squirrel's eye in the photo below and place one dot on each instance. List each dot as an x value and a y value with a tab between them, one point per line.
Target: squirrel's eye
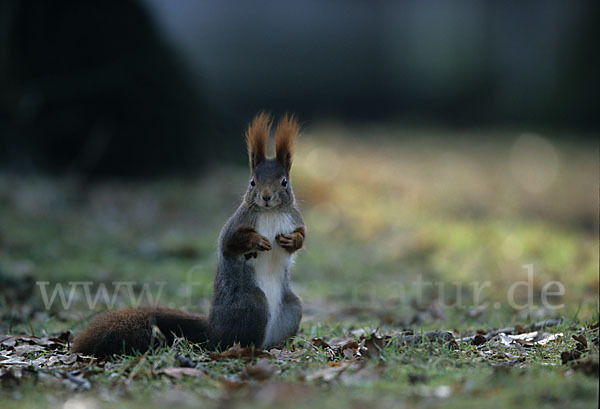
252	182
284	182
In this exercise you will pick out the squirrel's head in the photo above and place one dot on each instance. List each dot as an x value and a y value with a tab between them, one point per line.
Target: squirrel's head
269	185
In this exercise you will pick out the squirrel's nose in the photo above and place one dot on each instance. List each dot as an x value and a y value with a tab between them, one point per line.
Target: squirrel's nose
266	198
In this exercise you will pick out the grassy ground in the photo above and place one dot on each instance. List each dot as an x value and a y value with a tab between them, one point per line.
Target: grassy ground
400	233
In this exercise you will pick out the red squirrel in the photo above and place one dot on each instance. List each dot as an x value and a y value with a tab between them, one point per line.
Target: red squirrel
253	303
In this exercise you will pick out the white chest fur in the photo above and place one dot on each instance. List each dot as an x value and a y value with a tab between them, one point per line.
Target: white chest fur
270	266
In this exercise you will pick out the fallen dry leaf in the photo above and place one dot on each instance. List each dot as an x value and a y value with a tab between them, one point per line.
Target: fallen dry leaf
15	360
260	371
8	341
517	329
544	338
349	353
528	339
70	359
350	348
288	355
236	351
333	370
179	372
479	340
319	343
373	345
582	344
505	340
327	374
341	343
12	341
27	349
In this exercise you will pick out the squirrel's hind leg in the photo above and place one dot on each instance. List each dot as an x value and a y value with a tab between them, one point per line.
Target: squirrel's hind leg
239	318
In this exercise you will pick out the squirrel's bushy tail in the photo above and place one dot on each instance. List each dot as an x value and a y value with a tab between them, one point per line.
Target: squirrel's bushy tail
132	329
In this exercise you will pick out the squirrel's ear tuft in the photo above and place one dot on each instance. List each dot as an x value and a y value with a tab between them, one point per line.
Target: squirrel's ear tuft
285	136
256	137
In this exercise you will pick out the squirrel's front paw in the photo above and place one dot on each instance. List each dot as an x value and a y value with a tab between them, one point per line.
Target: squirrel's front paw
286	240
261	243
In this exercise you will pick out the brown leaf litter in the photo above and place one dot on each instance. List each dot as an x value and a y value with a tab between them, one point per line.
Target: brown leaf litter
236	351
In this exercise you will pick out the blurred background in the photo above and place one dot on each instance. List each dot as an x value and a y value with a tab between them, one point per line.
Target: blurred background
144	87
455	141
